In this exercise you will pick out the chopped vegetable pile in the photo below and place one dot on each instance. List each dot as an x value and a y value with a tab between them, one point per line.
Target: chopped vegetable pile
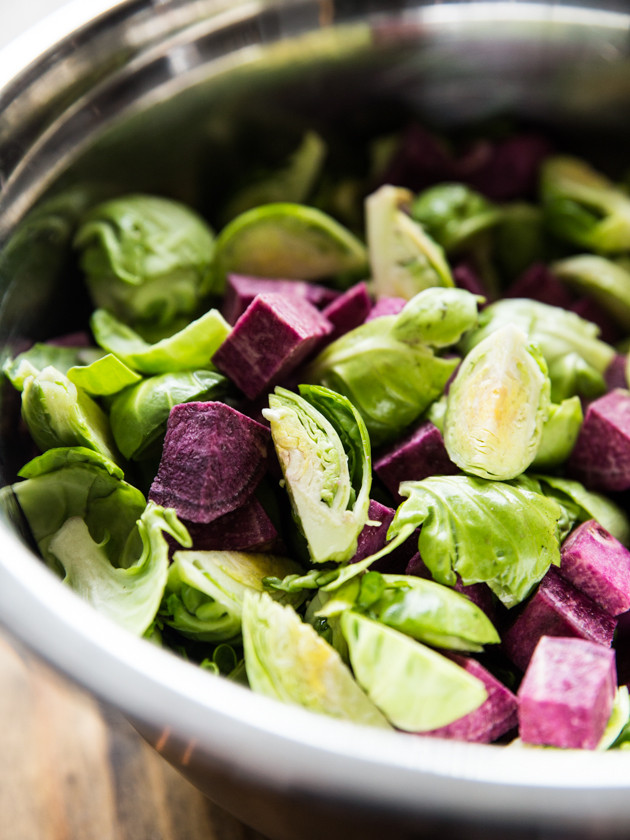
366	447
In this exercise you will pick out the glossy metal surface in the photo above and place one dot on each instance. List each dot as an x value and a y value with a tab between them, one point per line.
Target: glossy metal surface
176	96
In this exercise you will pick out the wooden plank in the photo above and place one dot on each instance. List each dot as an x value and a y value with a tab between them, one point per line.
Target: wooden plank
71	769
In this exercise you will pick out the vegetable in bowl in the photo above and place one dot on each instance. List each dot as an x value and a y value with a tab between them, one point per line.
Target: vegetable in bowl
215	474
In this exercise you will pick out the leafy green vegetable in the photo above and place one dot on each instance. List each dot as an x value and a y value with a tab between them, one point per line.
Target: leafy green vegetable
453	214
500	533
287	660
58	413
131	593
77	482
138	415
601	279
288	240
41	355
583	206
519	239
147	259
416	688
105	376
559	433
324	452
189	349
404	259
497	405
573	376
387	367
205	591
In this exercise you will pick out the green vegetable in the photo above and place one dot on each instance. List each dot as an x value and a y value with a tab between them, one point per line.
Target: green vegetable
147	259
497	405
583	206
131	593
77	482
287	660
289	240
573	376
138	415
104	376
453	214
415	687
559	434
501	533
41	355
205	591
324	452
519	239
404	259
387	366
190	348
601	279
58	413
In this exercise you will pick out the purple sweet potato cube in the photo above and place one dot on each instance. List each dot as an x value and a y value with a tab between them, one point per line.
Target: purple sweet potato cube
386	305
479	593
466	277
247	528
418	455
556	609
496	716
374	536
241	289
269	340
348	310
596	563
567	694
212	460
601	456
506	169
615	373
590	310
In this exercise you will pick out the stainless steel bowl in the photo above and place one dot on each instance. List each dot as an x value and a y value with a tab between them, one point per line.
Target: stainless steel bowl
175	96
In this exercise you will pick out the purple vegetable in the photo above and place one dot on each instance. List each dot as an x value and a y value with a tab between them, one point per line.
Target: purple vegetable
556	609
418	455
241	290
386	306
601	455
270	339
212	461
615	373
420	161
466	277
506	169
247	528
567	694
496	716
373	537
539	283
597	564
348	310
587	308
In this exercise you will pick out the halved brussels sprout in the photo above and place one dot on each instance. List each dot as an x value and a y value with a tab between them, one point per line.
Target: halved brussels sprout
324	452
146	258
42	355
454	214
206	589
291	241
601	279
403	257
497	405
559	433
416	688
287	660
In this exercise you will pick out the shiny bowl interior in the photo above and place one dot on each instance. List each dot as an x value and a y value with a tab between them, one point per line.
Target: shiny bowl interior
178	97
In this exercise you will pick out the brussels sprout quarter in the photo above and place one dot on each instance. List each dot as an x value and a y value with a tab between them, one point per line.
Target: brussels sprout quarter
601	457
212	461
567	694
269	340
556	609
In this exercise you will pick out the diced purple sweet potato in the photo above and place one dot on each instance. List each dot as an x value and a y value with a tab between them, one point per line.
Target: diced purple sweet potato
466	277
373	537
420	160
241	289
506	169
247	528
386	306
212	460
270	339
601	456
556	608
596	563
418	455
567	694
615	373
539	283
590	310
348	310
496	716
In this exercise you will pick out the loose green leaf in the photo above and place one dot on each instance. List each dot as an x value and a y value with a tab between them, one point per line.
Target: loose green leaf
416	688
601	279
454	214
287	660
104	376
41	355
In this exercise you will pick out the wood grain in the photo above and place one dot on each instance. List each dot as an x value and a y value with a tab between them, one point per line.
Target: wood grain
72	769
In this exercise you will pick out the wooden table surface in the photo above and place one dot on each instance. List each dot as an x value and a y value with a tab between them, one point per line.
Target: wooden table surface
72	769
